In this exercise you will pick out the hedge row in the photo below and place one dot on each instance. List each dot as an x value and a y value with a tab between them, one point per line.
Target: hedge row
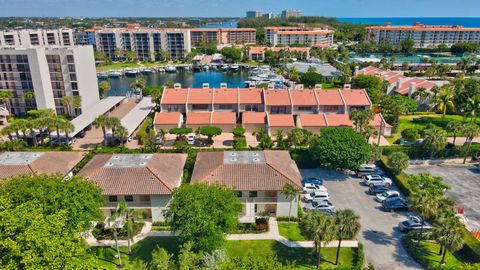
416	152
302	158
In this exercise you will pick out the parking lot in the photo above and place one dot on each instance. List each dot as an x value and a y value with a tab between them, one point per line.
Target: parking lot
379	233
465	187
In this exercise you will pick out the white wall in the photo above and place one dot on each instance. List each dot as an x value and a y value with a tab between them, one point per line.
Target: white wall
283	205
159	203
86	76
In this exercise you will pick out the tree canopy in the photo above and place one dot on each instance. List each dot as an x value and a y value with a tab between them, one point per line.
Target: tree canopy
340	147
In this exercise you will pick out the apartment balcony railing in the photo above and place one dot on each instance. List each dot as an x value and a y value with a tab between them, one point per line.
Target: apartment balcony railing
129	204
259	200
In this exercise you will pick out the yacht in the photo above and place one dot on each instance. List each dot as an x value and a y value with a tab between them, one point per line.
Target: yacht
225	67
102	75
234	67
147	71
114	74
130	72
170	68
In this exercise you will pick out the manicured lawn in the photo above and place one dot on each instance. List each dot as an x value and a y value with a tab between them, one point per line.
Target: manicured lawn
427	254
118	66
303	257
421	121
291	231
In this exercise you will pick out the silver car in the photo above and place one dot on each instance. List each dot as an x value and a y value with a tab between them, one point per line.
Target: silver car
324	205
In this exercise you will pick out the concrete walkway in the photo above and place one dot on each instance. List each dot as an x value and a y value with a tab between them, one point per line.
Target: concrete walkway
272	234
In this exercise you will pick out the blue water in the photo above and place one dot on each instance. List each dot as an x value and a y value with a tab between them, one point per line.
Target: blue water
226	24
465	21
119	86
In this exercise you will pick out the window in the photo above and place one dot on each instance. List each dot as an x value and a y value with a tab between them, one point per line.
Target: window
225	107
70	59
239	194
252	194
112	198
251	108
74	86
330	108
128	198
305	108
278	109
200	106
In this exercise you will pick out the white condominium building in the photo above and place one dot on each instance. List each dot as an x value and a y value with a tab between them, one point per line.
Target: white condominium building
49	73
310	36
146	42
222	36
424	36
37	37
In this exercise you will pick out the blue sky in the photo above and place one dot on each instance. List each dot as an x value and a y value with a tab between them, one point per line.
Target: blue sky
237	8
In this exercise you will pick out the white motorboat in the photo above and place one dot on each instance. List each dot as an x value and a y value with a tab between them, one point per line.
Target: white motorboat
170	68
234	67
225	67
131	72
114	74
147	71
102	75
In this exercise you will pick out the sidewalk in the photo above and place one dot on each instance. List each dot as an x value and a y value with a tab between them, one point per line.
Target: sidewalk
272	234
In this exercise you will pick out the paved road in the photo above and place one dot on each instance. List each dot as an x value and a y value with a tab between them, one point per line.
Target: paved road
379	233
465	187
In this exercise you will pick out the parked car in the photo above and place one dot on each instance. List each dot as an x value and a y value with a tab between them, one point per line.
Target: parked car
191	139
387	195
394	205
364	171
320	206
312	180
373	180
309	188
60	141
414	223
367	166
316	196
376	189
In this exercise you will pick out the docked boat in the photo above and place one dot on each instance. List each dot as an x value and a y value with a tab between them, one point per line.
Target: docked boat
147	71
114	74
102	75
225	67
170	68
160	69
131	72
234	67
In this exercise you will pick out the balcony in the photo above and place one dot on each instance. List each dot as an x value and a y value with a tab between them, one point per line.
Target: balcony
129	204
258	200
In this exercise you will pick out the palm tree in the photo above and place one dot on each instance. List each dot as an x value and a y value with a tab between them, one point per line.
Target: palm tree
72	102
7	131
472	108
445	99
5	96
23	125
347	224
290	193
426	204
455	127
102	121
130	218
67	127
320	228
434	140
116	221
449	234
104	87
470	131
15	128
421	95
57	124
113	123
121	133
34	124
50	125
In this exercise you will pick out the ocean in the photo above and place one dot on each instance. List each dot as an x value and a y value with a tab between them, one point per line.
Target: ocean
465	21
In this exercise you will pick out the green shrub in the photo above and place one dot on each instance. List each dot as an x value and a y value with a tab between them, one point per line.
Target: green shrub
239	142
144	129
238	132
471	247
401	180
161	223
285	218
360	258
302	158
180	131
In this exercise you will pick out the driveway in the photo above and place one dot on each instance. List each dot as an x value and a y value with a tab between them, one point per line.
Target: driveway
465	187
379	233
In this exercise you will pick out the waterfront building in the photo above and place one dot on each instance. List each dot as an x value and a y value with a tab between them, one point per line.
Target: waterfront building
268	15
258	53
291	13
49	74
84	37
309	36
222	36
253	14
424	36
37	37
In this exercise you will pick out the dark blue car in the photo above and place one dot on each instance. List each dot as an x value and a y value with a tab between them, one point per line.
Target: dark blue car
312	180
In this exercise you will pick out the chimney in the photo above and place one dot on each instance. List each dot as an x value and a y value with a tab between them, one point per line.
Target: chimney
411	89
223	85
318	87
177	86
385	77
205	85
347	86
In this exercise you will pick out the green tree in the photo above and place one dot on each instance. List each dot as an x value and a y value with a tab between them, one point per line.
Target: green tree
310	79
5	96
299	137
472	108
424	203
131	56
398	161
361	119
463	47
161	260
347	224
102	121
340	147
121	133
434	140
426	182
290	193
231	54
455	127
130	217
321	229
408	45
202	214
410	134
103	87
210	132
470	131
449	234
265	141
180	132
445	100
372	84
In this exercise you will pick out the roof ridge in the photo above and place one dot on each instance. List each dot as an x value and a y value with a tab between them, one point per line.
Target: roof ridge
158	178
275	169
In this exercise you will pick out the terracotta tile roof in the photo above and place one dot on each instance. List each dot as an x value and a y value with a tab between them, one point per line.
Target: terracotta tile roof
312	120
355	97
251	96
256	50
225	96
303	98
277	170
277	98
198	118
377	121
338	120
291	49
254	117
221	118
200	96
405	85
314	32
174	96
329	98
167	118
370	70
160	176
47	163
281	120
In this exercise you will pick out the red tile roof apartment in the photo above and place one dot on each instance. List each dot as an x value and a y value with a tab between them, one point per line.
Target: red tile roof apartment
309	36
144	181
257	176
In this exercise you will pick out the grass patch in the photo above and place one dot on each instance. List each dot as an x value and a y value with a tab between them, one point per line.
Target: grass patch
117	66
304	257
291	231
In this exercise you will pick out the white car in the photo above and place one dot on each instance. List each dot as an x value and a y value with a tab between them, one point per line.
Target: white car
320	206
373	180
309	188
368	166
387	195
191	140
316	196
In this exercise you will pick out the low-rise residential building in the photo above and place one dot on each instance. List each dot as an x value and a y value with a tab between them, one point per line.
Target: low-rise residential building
143	181
37	37
254	121
257	176
167	120
222	36
328	71
291	13
258	53
309	36
276	122
423	36
34	163
49	73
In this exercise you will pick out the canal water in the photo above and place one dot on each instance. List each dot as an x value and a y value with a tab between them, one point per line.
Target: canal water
121	85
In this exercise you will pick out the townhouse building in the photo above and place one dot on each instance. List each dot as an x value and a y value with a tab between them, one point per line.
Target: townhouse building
258	53
255	108
37	37
309	36
423	36
48	74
